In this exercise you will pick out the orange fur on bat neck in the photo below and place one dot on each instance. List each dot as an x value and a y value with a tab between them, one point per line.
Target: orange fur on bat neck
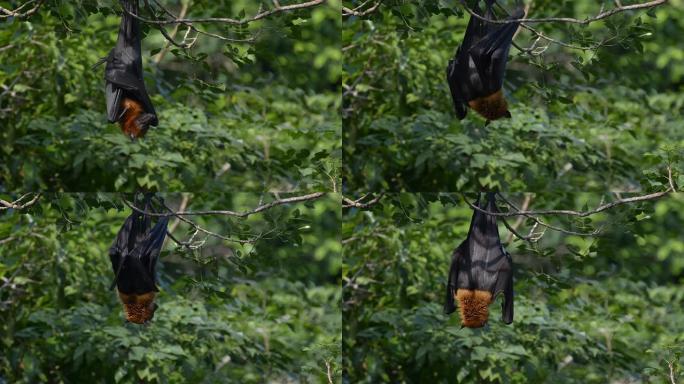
129	123
491	107
138	308
473	306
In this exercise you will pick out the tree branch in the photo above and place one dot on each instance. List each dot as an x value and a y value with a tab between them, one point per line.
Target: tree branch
238	22
600	16
7	13
260	208
19	204
329	371
356	11
192	244
532	237
670	365
349	203
601	208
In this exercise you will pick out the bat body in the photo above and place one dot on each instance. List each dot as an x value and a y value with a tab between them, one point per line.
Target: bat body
480	270
475	75
127	100
134	257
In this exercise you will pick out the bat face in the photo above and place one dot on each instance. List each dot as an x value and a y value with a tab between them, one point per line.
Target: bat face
475	75
480	270
134	122
127	100
134	256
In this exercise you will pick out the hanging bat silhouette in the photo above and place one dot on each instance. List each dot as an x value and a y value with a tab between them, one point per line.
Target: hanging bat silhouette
127	100
134	257
476	73
480	270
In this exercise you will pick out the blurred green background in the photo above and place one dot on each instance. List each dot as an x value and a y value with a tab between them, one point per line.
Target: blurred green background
608	117
605	309
262	115
229	311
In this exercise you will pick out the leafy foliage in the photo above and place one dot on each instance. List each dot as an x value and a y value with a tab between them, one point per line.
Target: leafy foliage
231	113
587	310
228	311
582	118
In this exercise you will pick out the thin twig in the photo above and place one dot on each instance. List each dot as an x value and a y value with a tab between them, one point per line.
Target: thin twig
329	369
7	13
349	203
162	53
355	12
18	204
227	20
520	219
670	364
183	205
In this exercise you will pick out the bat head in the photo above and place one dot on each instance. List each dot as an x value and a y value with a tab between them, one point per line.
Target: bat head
474	307
134	120
142	124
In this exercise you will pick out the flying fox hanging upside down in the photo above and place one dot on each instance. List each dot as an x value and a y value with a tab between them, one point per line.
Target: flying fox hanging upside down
134	257
480	270
476	73
127	100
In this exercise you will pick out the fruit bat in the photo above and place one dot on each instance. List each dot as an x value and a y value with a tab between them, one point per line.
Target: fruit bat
480	270
134	257
476	73
127	100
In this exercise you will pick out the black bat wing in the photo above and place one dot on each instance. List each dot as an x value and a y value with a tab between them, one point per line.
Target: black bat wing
488	258
114	97
491	265
133	232
150	252
123	72
481	263
462	75
119	251
121	83
452	283
490	54
138	270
